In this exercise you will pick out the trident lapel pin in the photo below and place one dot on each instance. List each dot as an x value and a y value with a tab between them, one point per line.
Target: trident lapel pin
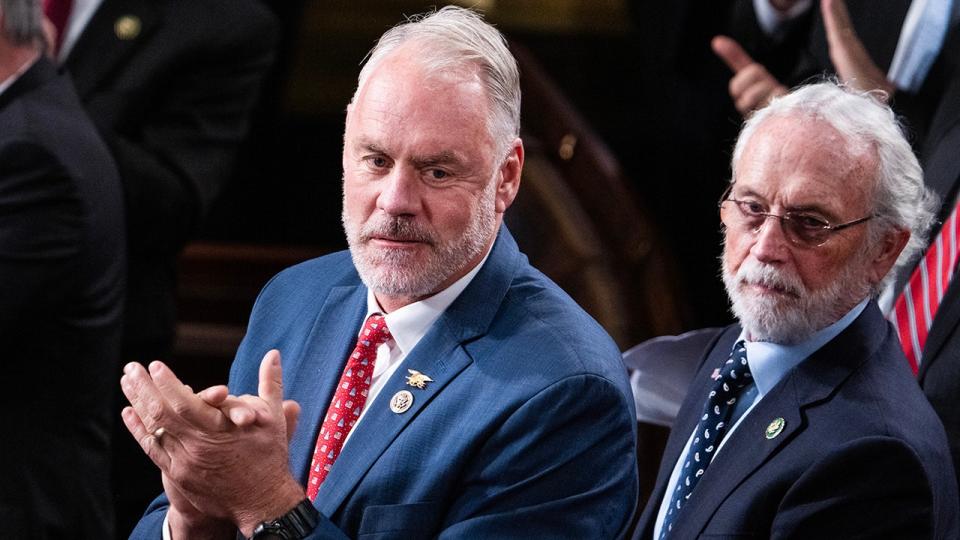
417	379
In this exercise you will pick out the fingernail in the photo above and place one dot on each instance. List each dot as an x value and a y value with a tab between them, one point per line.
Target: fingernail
155	367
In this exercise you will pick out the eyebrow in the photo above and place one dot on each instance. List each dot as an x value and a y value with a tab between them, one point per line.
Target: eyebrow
810	208
370	147
442	158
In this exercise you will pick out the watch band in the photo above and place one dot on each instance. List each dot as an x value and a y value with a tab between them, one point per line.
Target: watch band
294	525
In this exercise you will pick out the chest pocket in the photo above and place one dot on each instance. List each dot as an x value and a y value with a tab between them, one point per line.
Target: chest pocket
407	521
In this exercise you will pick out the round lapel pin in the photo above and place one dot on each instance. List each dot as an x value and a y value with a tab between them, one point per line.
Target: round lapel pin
401	401
127	27
775	427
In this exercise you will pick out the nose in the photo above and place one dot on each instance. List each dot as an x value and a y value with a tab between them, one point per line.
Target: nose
770	245
400	192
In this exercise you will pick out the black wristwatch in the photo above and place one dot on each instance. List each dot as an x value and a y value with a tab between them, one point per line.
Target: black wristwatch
294	525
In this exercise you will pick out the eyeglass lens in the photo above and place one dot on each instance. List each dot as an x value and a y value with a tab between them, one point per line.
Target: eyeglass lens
802	230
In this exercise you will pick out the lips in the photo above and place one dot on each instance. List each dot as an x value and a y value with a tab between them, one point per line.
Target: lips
771	288
393	241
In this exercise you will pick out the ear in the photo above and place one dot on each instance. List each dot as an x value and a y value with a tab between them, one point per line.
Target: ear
508	179
891	245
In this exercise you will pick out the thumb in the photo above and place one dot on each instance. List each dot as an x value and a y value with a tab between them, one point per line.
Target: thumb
291	412
731	53
850	58
271	380
836	21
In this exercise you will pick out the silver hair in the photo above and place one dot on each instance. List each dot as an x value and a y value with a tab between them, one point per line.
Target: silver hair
458	38
22	22
900	199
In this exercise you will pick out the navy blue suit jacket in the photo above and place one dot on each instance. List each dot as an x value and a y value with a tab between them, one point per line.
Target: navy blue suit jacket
527	431
862	454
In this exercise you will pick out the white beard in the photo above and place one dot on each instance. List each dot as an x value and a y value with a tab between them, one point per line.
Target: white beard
798	313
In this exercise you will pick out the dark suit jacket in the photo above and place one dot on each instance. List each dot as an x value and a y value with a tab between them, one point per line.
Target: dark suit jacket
170	84
804	54
862	455
940	363
61	293
527	431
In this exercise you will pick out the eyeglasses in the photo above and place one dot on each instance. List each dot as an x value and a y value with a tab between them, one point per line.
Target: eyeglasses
800	228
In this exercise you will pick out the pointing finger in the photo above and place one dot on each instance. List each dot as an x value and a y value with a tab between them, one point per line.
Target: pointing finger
731	53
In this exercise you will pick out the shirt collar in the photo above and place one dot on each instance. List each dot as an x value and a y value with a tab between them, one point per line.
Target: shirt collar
411	322
769	362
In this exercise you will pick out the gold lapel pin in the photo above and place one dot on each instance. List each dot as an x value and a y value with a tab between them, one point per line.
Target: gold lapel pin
775	427
401	401
127	27
417	379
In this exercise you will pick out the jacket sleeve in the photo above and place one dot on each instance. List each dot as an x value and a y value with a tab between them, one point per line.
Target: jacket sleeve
41	219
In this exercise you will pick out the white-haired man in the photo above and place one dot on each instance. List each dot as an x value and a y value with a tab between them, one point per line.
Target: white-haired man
479	401
803	420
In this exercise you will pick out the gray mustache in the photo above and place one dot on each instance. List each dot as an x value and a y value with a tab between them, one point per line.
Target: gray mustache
400	229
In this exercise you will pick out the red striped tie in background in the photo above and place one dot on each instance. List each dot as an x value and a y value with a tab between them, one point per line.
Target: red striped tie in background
917	304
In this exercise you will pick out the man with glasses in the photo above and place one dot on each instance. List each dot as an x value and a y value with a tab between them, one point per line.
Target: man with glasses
804	420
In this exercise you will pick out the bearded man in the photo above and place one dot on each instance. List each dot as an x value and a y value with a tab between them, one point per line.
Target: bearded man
804	420
445	387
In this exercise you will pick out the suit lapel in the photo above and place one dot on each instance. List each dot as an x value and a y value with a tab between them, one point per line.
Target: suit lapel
314	378
113	33
438	355
441	354
747	449
34	77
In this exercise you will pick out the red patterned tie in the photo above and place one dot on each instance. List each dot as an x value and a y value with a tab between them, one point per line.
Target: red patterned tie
917	304
347	402
58	11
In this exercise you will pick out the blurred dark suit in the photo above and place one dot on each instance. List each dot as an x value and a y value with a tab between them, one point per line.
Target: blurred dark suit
940	363
61	295
802	53
170	84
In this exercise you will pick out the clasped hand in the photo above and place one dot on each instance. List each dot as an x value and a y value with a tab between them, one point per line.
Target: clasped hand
223	457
